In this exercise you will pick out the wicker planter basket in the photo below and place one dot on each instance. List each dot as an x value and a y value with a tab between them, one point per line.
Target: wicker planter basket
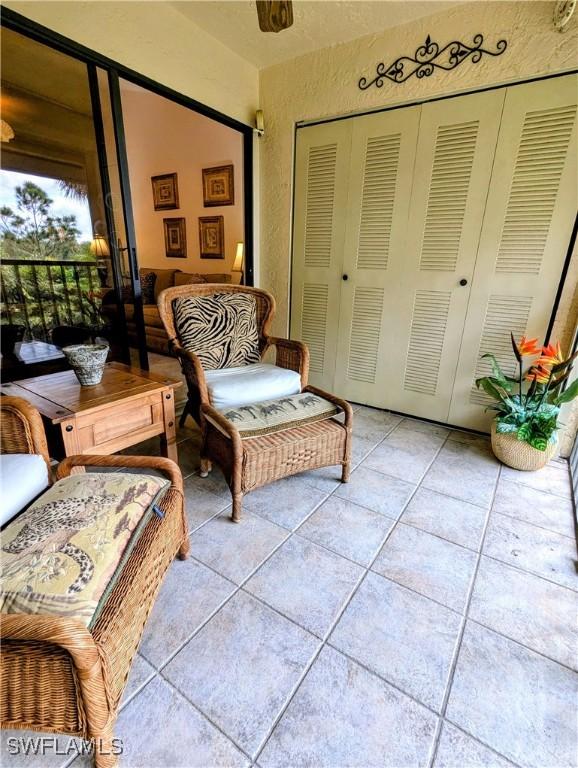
518	454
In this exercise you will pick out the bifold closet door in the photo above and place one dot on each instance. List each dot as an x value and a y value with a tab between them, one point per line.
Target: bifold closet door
433	273
321	176
380	179
530	212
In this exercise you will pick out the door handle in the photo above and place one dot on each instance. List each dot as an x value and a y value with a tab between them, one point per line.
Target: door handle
345	277
463	281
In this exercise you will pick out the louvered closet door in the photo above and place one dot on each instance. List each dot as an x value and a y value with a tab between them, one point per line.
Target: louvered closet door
527	226
427	308
321	170
382	159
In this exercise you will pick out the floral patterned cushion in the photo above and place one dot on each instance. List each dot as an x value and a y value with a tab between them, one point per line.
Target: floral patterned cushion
64	553
282	413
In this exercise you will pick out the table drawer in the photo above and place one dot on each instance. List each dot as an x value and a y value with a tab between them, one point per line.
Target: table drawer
116	427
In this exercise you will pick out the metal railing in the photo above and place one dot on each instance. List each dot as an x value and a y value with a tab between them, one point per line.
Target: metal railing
42	295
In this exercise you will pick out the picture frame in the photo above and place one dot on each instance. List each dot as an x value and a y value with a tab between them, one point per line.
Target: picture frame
219	186
175	238
212	237
165	191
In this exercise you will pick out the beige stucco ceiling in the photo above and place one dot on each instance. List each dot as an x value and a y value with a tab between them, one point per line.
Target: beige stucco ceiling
317	24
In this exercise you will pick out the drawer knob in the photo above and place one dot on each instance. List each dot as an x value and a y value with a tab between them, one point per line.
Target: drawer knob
69	428
168	397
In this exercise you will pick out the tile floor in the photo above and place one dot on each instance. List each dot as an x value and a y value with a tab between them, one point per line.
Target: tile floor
422	615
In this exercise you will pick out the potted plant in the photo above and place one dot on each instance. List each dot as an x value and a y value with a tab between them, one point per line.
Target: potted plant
525	429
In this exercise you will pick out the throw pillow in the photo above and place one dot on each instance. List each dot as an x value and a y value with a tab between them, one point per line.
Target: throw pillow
220	329
147	286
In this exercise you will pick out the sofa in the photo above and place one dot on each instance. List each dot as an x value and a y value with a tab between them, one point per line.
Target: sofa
156	337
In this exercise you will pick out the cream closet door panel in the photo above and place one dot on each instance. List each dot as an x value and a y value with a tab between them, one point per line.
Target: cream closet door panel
382	159
427	308
527	227
321	172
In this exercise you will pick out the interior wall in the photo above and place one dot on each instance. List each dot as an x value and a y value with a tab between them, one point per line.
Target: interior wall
156	40
325	84
164	137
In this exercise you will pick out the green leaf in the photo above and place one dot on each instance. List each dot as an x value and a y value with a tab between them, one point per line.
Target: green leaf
539	443
490	389
569	393
524	431
503	427
504	381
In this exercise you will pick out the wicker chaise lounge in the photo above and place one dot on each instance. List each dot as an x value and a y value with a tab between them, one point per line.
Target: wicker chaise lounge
56	674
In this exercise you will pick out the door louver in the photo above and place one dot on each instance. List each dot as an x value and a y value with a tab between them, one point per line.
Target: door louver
539	165
365	332
378	198
504	314
428	329
450	183
319	207
314	327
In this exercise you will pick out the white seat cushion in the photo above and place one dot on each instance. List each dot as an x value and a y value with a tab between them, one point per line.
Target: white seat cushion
24	476
250	384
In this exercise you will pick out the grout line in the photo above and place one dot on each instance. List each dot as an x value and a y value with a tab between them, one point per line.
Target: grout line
541	527
461	631
325	640
530	573
522	645
483	743
206	717
332	626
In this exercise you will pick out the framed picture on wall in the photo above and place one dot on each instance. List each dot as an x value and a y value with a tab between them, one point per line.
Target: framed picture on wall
175	238
218	186
165	191
212	237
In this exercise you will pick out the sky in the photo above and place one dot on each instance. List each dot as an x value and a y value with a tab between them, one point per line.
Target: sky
61	206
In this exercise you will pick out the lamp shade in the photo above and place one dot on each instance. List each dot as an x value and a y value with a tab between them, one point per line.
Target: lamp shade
99	247
238	263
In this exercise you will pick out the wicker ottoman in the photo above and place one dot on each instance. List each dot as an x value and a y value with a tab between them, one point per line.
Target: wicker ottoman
253	461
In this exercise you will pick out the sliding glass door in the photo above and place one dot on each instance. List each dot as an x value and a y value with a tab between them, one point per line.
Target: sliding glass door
61	224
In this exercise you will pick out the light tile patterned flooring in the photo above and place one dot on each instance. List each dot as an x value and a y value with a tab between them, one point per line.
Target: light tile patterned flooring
422	615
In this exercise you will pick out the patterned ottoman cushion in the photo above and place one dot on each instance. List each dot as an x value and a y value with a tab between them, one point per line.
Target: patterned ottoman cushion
278	415
63	555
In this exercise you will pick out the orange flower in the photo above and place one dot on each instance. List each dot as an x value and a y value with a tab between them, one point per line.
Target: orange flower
539	374
528	346
551	355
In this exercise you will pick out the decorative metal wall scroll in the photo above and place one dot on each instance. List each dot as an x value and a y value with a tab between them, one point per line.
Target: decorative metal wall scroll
429	57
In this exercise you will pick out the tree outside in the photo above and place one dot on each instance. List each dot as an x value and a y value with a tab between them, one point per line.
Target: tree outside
39	294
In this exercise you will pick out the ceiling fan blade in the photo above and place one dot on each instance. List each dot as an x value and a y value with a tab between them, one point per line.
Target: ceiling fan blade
274	15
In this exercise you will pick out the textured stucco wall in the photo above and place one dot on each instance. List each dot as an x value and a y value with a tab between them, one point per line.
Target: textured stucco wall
156	40
324	84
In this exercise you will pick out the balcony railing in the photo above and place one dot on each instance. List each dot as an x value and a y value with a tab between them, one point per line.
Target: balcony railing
42	295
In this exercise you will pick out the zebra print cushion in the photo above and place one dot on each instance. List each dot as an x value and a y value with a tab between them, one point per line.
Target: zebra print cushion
220	329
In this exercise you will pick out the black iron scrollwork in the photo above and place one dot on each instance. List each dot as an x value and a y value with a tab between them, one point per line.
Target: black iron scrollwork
429	57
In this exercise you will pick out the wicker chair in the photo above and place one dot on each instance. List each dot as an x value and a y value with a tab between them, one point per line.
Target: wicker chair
289	354
250	463
57	675
21	429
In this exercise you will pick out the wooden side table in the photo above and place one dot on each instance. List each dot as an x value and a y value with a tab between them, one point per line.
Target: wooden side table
127	407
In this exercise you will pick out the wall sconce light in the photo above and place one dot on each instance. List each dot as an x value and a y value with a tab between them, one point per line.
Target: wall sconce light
238	264
259	123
